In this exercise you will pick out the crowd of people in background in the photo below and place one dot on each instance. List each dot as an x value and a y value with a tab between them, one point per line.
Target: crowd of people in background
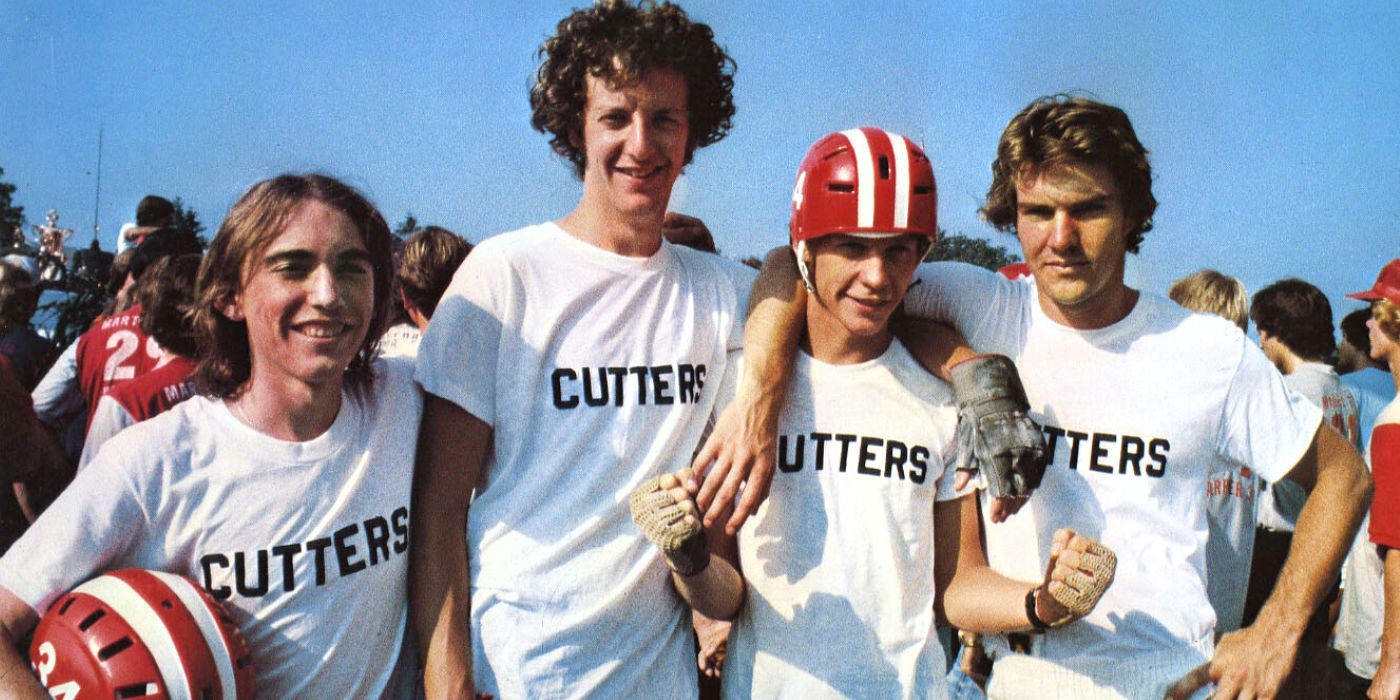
616	451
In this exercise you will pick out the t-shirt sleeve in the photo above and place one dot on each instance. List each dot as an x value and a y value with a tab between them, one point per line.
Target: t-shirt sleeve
89	526
1385	469
459	355
108	419
978	303
946	492
1266	425
58	396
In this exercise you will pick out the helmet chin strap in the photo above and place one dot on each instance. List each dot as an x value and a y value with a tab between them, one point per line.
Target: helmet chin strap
800	250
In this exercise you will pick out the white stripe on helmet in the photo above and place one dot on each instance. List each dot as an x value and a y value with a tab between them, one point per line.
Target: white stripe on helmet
865	178
122	598
209	626
902	182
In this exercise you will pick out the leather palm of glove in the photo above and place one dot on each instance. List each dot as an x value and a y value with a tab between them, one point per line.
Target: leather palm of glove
996	435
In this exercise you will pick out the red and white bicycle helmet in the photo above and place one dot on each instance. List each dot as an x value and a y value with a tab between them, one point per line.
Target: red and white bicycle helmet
864	181
141	634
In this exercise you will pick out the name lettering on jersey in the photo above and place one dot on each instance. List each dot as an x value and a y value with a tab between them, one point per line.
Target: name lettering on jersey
1108	453
860	454
1230	484
121	321
347	551
175	393
659	385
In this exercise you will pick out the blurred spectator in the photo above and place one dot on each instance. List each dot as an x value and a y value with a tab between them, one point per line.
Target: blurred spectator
153	212
28	352
166	297
1369	381
429	259
30	461
1368	627
1231	505
115	349
1210	292
1294	320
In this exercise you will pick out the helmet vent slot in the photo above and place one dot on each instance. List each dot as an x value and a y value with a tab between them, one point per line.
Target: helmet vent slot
63	609
114	648
922	189
884	167
91	619
136	690
840	187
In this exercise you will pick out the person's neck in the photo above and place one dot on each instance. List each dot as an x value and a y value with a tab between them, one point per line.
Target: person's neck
1101	312
637	236
826	340
1288	361
287	410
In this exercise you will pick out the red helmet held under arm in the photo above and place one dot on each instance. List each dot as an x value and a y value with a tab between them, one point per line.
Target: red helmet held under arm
141	634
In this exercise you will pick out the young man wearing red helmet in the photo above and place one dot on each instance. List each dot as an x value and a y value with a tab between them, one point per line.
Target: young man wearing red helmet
1137	399
843	557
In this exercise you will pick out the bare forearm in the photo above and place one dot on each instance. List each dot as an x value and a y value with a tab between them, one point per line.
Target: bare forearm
16	679
716	592
982	600
451	451
1390	631
936	346
773	327
440	593
1325	529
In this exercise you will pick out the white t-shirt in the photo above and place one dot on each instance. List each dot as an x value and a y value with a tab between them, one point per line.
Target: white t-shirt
1232	499
838	560
1135	416
596	372
400	341
306	543
1361	617
1280	503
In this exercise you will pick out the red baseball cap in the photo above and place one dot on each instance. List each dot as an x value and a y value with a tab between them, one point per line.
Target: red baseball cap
1387	285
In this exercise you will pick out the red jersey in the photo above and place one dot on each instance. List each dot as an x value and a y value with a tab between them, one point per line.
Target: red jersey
156	391
1385	468
111	352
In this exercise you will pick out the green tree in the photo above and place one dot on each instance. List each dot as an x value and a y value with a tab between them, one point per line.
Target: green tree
975	251
406	227
187	220
11	214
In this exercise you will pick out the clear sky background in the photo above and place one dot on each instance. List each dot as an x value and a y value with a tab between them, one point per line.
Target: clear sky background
1272	126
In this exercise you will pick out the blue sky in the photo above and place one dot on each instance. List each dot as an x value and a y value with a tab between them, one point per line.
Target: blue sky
1272	126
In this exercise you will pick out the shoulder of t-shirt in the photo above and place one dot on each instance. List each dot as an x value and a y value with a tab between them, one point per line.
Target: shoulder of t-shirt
918	380
516	242
394	385
144	450
1208	331
740	275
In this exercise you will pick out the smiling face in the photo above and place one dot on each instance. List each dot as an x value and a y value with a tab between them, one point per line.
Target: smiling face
306	299
858	282
635	139
1073	234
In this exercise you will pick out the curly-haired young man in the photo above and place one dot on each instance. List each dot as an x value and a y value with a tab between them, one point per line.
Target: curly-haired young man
567	363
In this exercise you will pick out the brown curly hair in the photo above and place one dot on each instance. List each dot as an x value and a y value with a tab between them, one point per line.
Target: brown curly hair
253	223
1062	129
619	42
